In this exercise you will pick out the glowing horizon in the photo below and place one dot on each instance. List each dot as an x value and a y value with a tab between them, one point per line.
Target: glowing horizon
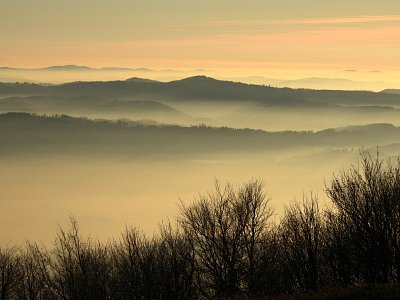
254	35
280	40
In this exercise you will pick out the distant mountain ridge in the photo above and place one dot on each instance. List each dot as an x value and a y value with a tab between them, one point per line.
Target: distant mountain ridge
392	91
200	97
72	67
201	87
69	72
67	68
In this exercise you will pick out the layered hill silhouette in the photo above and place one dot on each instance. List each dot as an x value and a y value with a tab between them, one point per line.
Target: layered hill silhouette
200	88
214	102
65	73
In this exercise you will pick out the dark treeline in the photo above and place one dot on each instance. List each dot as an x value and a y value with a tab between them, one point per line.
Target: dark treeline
226	244
24	133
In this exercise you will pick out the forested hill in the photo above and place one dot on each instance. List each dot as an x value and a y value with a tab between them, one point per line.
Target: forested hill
23	133
197	88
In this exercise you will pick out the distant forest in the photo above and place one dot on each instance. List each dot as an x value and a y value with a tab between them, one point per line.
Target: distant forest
24	133
229	244
199	88
196	88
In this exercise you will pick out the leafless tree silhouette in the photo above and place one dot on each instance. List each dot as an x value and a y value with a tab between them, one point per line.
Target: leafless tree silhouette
301	236
225	227
367	202
10	272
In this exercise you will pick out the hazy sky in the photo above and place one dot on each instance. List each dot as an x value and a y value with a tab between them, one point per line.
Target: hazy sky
217	34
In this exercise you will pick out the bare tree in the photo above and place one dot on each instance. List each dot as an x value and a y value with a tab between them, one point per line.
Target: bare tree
79	268
339	250
135	263
175	264
10	272
368	197
225	227
301	232
34	281
258	212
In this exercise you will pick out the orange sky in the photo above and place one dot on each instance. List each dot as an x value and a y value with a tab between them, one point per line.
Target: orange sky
257	35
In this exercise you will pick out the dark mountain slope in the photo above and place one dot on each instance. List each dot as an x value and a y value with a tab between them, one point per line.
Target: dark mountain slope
200	88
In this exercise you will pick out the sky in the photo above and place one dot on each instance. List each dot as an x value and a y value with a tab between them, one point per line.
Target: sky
356	39
214	34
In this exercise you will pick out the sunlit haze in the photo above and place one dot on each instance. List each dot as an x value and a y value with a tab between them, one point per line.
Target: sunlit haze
160	133
231	39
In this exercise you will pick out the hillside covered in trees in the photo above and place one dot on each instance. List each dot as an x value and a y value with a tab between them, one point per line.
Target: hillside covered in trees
24	133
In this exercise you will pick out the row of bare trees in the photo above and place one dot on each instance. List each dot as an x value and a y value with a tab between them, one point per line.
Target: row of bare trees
227	244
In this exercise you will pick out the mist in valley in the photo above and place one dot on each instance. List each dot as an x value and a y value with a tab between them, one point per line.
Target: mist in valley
39	193
109	174
199	149
130	152
204	100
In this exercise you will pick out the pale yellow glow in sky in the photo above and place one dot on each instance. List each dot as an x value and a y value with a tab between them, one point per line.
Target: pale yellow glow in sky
251	35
